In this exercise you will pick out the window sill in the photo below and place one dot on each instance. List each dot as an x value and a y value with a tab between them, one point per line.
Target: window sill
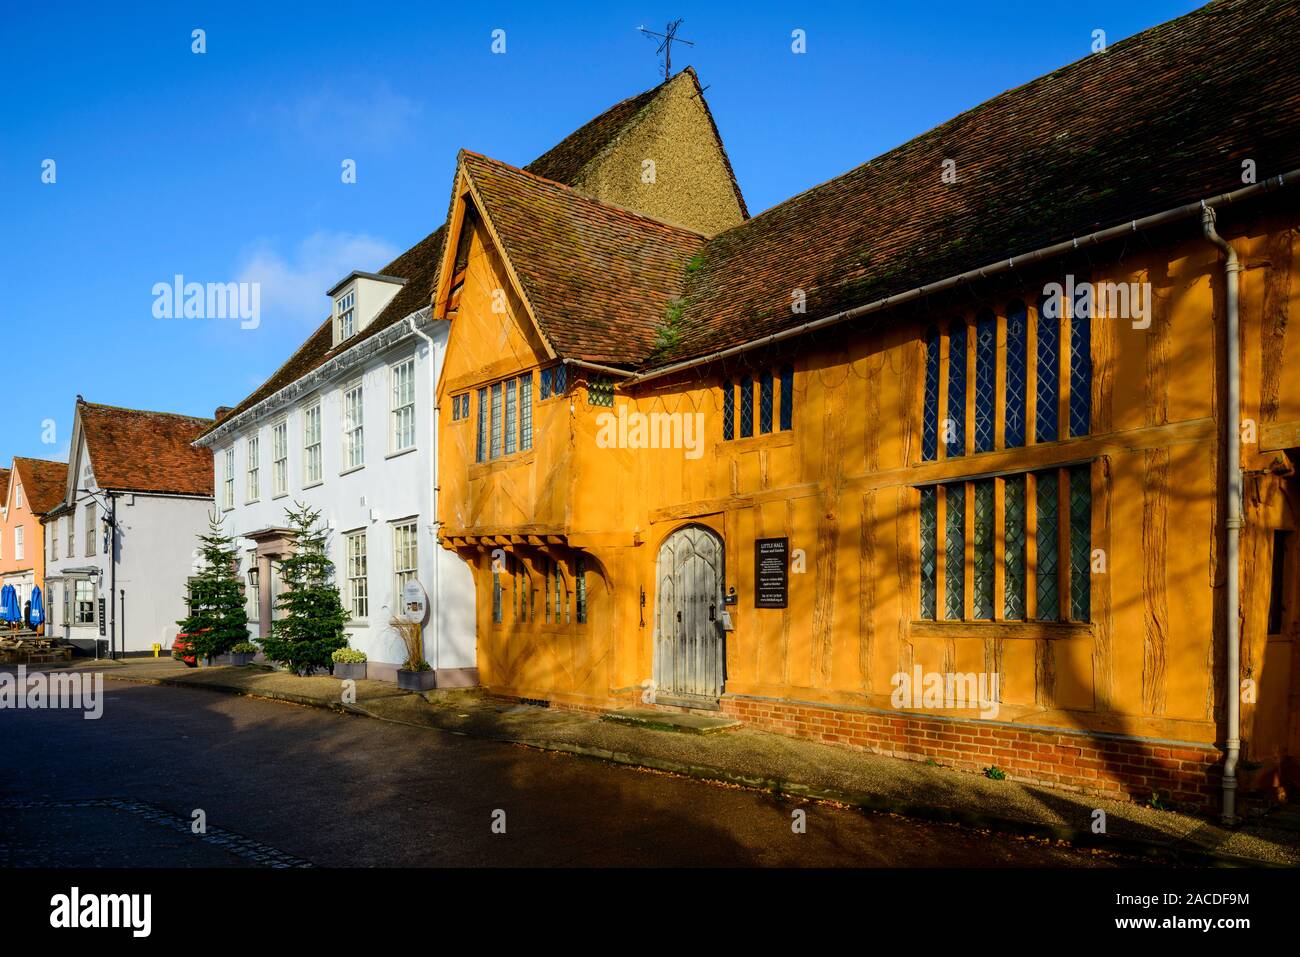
355	468
281	495
775	439
501	462
1001	629
252	501
357	623
314	485
400	452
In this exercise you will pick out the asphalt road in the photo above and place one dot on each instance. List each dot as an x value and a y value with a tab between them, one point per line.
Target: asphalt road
282	785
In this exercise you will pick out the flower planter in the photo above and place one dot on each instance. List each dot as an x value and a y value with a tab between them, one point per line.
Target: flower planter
417	680
356	671
240	658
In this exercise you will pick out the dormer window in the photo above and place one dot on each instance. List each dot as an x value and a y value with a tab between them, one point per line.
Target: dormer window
345	314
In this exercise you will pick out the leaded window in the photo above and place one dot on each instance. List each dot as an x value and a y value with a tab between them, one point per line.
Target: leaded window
1047	395
1013	429
1080	542
512	427
985	516
1047	543
480	454
746	407
986	372
930	406
580	588
526	412
1081	371
1061	544
955	422
954	585
765	386
496	421
1013	604
728	411
929	555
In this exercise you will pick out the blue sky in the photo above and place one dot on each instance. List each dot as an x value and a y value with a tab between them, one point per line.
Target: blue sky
226	165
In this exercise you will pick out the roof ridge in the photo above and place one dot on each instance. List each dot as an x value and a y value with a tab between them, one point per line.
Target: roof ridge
122	408
586	197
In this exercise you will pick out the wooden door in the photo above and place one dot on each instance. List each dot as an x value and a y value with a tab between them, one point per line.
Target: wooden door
689	653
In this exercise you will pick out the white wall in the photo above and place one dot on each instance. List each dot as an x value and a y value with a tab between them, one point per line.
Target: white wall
155	557
390	486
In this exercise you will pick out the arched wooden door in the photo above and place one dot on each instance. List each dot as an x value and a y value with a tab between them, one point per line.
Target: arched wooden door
689	654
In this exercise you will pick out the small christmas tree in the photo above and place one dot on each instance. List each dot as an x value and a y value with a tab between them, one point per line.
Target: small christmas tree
311	628
218	619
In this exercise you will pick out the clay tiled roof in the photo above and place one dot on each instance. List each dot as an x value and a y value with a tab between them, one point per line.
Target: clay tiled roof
1161	119
136	451
44	483
4	484
419	264
567	159
565	162
599	278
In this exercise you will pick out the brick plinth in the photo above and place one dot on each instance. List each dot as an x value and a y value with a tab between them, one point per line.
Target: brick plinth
1107	765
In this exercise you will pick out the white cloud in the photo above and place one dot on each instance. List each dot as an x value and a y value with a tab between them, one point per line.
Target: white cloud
294	285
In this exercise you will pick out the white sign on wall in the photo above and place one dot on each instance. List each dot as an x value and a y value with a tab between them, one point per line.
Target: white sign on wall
415	602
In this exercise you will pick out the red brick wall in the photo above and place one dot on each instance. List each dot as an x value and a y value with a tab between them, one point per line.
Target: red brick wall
1117	767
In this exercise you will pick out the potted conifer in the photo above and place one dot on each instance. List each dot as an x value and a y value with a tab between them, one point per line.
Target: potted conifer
218	619
310	628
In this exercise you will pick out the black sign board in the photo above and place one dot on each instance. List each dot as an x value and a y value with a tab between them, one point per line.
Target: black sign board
771	572
103	628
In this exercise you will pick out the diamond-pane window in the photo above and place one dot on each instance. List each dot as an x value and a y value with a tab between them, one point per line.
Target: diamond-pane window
955	425
985	516
1081	370
1013	430
746	407
728	410
929	551
1014	537
1047	542
930	407
954	551
1049	369
1080	542
481	442
765	401
600	391
986	371
787	398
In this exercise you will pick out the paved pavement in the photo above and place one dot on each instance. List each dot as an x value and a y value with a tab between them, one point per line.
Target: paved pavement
283	785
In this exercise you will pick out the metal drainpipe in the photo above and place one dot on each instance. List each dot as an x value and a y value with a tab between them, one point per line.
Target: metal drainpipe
433	485
1231	284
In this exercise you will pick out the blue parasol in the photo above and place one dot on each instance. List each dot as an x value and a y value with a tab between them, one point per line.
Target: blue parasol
9	604
38	607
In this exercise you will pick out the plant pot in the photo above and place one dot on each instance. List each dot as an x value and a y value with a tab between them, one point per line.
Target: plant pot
417	680
240	658
355	671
